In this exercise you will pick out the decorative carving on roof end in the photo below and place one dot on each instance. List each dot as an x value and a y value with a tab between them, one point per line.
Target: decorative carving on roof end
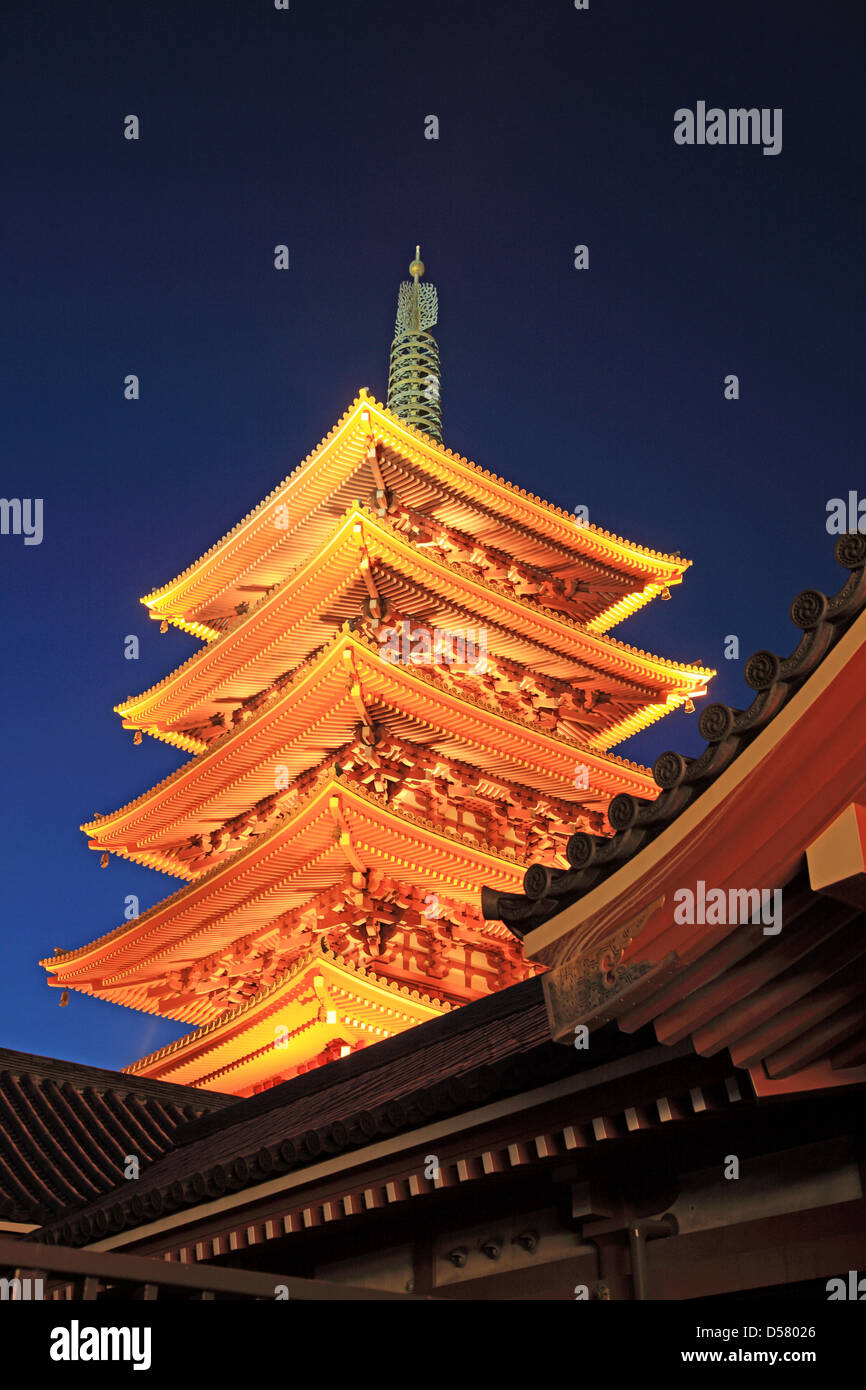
728	731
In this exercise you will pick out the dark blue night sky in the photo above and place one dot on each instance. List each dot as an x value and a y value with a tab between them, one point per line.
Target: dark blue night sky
601	387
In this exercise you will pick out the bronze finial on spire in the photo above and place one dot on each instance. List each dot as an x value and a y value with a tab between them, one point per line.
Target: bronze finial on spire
414	377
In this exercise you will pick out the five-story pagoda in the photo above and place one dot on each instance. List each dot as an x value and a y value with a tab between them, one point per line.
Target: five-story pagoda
406	690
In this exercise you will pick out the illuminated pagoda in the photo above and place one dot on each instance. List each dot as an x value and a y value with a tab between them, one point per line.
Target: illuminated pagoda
476	1157
406	691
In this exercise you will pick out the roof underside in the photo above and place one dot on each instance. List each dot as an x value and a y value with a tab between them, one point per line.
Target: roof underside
322	1000
333	587
319	711
336	830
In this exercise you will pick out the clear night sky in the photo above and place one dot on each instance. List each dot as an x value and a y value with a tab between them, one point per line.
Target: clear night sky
602	387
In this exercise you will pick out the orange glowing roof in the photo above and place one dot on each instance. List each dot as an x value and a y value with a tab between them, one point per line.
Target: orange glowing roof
302	613
335	829
322	998
778	809
349	683
368	450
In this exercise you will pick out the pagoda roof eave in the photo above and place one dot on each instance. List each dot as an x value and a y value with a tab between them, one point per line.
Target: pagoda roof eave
360	536
346	676
372	834
187	596
198	1053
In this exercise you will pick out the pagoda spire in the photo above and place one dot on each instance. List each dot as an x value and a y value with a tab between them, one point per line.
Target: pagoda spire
414	377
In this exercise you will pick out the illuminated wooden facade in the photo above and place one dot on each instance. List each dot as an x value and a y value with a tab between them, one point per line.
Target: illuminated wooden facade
775	799
354	779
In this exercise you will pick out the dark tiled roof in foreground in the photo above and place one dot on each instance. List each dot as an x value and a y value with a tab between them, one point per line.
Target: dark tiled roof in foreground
496	1046
65	1130
593	858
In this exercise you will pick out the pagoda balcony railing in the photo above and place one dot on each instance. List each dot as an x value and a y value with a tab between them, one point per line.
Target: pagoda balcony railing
67	1273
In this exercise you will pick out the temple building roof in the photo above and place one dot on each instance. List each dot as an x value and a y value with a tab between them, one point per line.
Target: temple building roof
505	1112
66	1130
333	1007
773	806
682	780
495	1047
483	1088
